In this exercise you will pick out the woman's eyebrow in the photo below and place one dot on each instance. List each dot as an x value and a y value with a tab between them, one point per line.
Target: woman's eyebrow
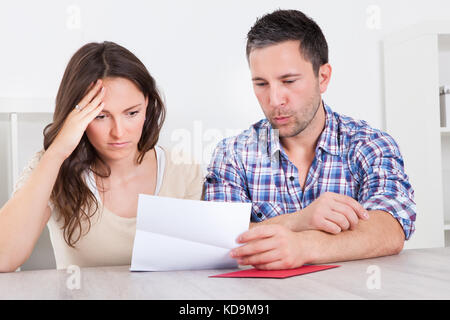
137	105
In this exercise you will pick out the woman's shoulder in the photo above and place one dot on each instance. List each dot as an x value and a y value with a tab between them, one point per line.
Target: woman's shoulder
181	163
183	173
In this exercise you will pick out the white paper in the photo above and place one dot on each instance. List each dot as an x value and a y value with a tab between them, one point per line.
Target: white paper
177	234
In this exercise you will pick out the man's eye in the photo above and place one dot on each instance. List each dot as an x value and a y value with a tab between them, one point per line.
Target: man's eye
260	84
289	81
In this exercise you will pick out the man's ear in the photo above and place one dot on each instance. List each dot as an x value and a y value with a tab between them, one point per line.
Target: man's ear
324	77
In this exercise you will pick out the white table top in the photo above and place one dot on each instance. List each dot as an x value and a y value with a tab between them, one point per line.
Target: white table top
413	274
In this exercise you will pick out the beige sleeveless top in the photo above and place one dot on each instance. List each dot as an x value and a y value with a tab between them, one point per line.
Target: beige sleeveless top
110	239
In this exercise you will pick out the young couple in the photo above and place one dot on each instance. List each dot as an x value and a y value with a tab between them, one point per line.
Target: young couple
324	187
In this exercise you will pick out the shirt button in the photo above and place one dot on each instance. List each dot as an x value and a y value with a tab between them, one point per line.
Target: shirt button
291	178
210	180
259	214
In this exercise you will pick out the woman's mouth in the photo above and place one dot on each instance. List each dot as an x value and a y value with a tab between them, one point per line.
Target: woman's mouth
118	144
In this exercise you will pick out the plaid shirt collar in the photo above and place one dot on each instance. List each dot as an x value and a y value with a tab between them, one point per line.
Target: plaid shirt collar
328	140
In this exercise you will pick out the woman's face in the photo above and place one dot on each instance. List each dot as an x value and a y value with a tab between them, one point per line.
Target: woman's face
116	131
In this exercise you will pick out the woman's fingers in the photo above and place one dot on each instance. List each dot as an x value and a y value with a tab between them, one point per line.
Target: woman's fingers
78	120
91	94
95	103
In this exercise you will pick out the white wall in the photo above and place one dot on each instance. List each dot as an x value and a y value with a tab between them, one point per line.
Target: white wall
196	52
195	49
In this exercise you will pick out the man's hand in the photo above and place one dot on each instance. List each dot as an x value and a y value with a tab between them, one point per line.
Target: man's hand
270	247
332	213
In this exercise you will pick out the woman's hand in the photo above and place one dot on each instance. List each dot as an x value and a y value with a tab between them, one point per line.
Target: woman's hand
77	121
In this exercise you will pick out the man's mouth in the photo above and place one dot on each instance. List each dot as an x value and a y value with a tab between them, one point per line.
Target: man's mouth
281	119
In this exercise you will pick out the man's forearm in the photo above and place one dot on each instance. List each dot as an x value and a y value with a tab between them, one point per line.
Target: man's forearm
380	235
288	220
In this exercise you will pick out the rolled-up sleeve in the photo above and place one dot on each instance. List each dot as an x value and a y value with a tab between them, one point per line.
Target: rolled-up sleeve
384	184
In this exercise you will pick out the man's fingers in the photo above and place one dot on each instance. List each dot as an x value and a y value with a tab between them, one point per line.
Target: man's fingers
260	258
347	212
258	232
275	265
357	207
253	247
330	227
339	219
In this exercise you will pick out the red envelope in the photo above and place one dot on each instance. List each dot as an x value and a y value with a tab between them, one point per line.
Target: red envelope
279	274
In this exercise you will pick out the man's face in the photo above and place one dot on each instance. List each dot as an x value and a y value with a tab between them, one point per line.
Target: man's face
286	87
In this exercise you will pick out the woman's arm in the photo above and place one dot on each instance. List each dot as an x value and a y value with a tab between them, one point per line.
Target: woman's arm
25	215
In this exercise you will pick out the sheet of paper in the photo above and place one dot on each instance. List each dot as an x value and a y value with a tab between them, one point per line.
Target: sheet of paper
177	234
255	273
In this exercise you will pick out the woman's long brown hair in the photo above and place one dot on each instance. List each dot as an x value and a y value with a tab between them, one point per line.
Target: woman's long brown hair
71	196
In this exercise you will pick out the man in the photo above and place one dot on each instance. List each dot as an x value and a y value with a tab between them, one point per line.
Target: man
324	187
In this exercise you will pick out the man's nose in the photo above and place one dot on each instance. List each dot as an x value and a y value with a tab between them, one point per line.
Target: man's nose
277	96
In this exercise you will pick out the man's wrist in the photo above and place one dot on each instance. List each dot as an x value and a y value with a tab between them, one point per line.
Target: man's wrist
309	243
297	221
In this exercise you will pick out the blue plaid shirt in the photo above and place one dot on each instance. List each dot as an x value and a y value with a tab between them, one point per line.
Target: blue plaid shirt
351	158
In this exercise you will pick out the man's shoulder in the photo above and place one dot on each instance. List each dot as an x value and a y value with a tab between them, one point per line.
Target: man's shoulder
357	134
356	129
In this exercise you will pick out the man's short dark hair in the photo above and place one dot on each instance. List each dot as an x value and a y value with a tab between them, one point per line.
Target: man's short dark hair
284	25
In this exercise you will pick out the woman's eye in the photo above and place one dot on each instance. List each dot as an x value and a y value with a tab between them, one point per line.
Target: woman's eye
133	113
100	117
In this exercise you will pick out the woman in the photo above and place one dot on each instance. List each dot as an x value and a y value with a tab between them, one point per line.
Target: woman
99	153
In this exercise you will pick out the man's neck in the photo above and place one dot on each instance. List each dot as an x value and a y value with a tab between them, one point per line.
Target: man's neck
304	143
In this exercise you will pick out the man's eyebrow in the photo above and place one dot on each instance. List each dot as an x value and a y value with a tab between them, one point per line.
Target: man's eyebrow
284	76
289	75
106	111
258	79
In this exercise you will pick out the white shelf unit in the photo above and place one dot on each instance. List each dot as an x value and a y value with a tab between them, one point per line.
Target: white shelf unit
14	106
416	63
